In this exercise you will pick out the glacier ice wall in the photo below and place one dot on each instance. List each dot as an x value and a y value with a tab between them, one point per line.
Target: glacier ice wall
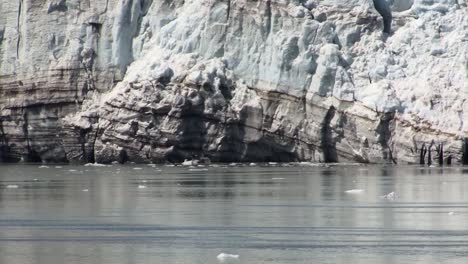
233	80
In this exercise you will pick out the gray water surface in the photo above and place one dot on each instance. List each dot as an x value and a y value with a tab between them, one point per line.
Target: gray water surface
266	214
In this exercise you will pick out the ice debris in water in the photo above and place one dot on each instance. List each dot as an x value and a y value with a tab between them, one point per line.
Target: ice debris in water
137	168
355	191
312	164
451	213
43	167
12	186
223	257
190	163
193	169
390	196
85	190
95	165
141	187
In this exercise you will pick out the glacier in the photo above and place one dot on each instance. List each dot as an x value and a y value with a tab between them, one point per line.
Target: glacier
233	80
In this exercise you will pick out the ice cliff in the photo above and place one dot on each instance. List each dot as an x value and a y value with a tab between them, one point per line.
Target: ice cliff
233	80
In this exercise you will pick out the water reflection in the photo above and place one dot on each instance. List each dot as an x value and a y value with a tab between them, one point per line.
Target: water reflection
297	214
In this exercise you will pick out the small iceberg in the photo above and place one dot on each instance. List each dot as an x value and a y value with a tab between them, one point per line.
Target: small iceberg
12	186
253	164
390	196
223	257
43	167
142	187
85	190
451	213
355	191
278	179
137	168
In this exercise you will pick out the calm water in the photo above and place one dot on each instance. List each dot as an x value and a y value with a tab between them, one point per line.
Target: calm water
266	214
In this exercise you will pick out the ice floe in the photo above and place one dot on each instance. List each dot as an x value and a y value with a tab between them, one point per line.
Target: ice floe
224	257
354	191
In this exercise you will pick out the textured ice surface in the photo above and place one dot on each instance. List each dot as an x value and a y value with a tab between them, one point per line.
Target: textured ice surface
311	80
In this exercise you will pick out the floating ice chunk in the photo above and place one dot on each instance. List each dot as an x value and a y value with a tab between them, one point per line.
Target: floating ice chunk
451	213
12	186
142	187
72	170
355	191
198	169
144	181
277	179
58	167
233	164
137	168
253	164
43	167
390	196
85	190
190	163
223	257
307	163
95	165
272	163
